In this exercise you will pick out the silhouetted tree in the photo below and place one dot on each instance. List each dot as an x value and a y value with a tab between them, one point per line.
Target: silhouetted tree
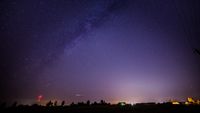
81	103
72	104
49	104
63	103
14	104
55	103
95	103
102	102
35	105
88	102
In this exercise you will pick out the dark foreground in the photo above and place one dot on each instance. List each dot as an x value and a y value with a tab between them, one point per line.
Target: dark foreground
140	108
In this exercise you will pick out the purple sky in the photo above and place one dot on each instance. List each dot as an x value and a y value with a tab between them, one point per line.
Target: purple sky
116	50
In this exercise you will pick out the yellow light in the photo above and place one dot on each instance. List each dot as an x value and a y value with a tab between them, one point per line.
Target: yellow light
175	103
187	103
190	100
198	101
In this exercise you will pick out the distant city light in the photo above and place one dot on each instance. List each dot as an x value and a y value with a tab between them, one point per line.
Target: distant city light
175	103
188	102
122	103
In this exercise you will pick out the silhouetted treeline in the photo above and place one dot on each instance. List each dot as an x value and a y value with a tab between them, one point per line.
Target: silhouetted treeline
101	107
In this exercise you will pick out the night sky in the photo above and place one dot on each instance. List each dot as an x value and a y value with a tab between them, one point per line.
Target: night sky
115	50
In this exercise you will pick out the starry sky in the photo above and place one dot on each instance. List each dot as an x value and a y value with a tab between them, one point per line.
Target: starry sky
115	50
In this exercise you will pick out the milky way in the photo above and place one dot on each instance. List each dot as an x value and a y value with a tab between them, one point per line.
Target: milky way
116	50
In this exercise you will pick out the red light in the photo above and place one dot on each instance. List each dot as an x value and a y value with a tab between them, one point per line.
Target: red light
39	98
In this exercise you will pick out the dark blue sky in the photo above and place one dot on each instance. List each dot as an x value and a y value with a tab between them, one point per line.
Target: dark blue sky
116	50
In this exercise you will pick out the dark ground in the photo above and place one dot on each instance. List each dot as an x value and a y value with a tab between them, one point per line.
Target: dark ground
106	108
